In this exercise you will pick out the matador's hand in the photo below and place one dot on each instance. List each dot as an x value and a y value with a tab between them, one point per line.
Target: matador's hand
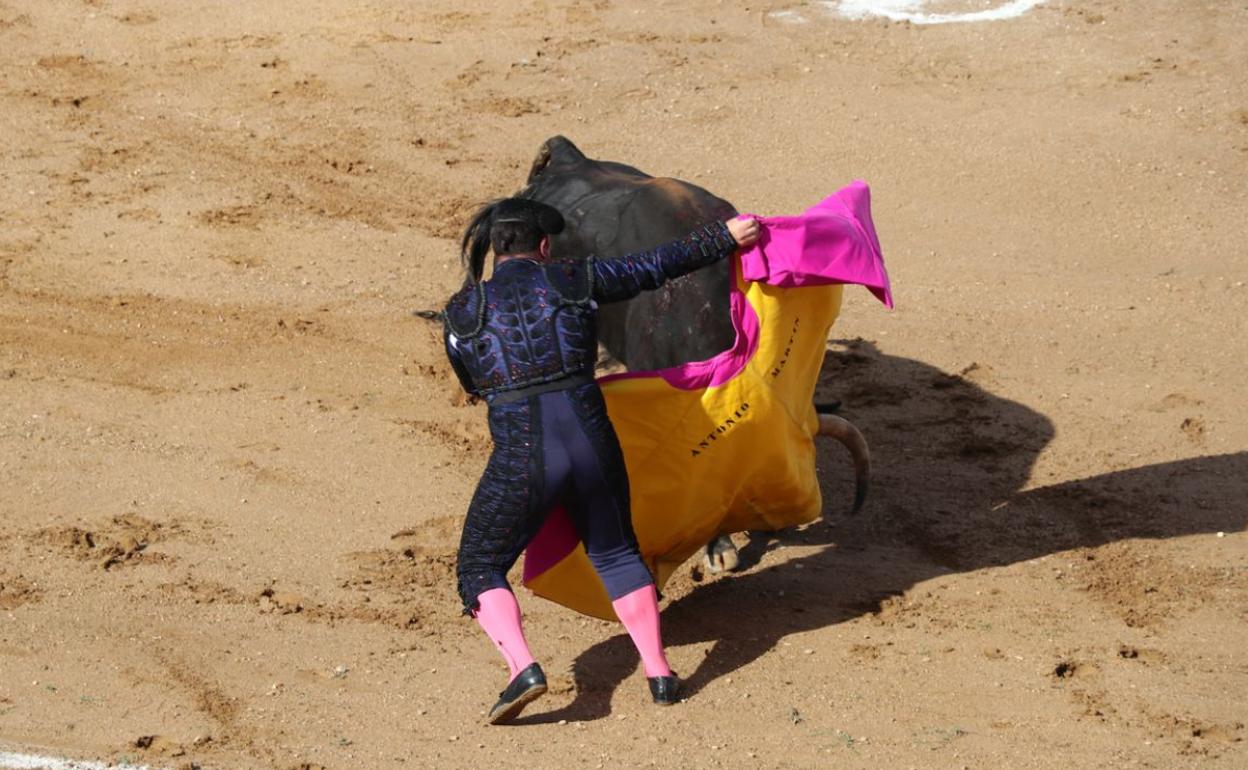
744	231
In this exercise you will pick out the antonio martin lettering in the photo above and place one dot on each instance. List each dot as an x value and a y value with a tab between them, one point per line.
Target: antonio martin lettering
728	424
788	348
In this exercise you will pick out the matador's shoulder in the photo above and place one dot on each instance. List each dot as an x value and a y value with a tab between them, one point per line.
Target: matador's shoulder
573	279
465	310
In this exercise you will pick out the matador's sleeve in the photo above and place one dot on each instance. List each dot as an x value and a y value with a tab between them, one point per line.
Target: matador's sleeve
622	278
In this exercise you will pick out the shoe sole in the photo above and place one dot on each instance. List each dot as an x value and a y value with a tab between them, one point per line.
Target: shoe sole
514	708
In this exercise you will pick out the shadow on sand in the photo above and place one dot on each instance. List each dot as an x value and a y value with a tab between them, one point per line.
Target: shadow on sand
951	461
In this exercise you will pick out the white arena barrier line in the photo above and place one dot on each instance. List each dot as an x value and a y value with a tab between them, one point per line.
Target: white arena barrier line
912	10
14	761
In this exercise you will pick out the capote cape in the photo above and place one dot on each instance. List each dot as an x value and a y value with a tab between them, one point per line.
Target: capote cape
727	444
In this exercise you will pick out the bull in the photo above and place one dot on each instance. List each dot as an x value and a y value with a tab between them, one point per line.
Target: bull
612	209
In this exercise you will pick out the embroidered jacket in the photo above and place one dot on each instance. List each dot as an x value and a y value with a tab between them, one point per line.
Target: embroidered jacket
534	323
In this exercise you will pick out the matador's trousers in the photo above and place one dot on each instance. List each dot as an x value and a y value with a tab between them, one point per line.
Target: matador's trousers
555	448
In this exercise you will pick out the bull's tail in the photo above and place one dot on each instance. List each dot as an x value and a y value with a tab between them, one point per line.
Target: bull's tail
844	431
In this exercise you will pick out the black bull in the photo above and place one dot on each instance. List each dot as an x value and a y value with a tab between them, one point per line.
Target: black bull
611	209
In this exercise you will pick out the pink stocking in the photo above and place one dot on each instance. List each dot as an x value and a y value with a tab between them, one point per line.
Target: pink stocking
639	612
499	616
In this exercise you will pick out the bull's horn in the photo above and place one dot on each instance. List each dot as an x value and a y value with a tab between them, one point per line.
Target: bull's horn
540	162
555	148
844	431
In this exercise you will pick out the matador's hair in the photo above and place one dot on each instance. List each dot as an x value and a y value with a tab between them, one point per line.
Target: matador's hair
510	226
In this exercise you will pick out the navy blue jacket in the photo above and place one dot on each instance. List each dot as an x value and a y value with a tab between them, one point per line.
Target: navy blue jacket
536	322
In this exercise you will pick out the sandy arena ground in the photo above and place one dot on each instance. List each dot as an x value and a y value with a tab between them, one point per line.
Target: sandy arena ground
233	466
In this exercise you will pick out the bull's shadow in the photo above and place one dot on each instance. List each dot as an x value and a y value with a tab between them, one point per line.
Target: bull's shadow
951	460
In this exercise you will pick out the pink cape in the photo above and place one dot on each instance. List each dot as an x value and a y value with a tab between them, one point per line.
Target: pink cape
832	242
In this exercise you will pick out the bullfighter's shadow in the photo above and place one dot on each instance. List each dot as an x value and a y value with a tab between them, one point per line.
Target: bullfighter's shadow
951	461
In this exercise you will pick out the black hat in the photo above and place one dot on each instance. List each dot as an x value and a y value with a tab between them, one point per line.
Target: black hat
543	217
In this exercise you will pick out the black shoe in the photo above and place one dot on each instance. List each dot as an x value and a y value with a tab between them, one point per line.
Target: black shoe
528	685
664	689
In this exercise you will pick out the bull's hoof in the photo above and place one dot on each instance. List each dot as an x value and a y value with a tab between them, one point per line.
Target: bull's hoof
720	555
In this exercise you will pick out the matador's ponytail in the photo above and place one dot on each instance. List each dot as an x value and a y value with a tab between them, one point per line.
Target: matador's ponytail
476	241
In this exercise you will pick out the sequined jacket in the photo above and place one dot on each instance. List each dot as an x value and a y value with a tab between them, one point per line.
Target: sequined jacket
534	322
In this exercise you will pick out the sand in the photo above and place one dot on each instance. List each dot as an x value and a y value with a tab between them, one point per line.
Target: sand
233	465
